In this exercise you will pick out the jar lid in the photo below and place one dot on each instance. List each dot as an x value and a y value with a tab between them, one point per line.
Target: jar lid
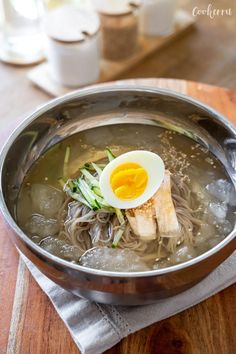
115	7
70	24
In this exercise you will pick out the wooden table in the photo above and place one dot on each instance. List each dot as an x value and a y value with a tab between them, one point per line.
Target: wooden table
207	54
30	325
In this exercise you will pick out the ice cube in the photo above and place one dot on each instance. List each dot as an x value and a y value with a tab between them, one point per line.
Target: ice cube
70	252
207	230
183	254
224	228
117	260
46	200
218	210
223	191
200	192
40	226
61	249
52	245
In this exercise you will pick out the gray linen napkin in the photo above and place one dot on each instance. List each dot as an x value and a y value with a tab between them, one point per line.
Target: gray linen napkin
109	324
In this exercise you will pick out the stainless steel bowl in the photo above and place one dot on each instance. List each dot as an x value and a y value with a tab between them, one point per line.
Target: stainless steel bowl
89	108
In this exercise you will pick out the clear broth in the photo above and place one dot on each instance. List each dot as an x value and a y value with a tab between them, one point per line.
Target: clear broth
181	155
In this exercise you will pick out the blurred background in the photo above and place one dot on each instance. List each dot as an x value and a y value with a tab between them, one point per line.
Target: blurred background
90	41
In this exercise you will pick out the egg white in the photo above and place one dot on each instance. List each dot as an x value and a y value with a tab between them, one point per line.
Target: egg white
151	162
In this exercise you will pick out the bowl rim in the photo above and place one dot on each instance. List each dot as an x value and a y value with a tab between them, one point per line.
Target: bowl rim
80	94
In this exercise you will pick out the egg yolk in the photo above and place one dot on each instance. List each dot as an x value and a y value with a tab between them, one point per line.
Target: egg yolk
129	181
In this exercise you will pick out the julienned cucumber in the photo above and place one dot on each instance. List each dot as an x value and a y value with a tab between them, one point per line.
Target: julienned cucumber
110	154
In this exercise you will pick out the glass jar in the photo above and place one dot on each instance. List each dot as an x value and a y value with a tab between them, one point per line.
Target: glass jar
119	29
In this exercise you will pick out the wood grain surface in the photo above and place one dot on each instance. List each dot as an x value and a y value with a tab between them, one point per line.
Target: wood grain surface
30	325
207	54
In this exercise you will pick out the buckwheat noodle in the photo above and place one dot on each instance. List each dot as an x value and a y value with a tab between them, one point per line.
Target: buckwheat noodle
85	228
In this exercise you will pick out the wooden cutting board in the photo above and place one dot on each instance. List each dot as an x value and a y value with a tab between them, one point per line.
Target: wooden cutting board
112	70
30	325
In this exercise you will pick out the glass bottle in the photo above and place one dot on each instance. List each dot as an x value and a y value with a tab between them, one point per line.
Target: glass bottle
22	41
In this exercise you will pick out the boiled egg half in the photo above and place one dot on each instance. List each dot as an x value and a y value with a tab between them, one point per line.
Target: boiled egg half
131	179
